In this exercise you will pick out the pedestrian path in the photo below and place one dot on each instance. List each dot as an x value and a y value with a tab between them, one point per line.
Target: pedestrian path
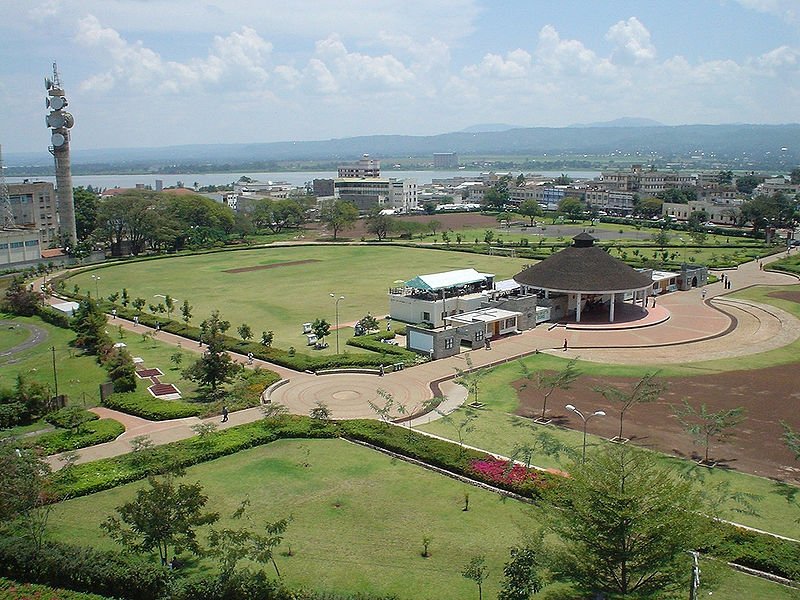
699	329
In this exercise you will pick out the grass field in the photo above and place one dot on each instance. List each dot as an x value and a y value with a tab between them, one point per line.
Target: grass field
10	336
358	520
79	375
287	286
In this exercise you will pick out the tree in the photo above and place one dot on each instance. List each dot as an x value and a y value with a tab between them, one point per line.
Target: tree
522	574
277	215
89	323
215	367
434	225
367	323
572	208
520	181
795	176
646	390
792	440
321	328
488	236
494	199
176	358
161	516
338	215
229	546
169	304
138	305
747	183
725	177
530	209
186	312
245	332
661	238
20	299
705	425
627	524
320	411
697	219
86	203
562	179
477	571
547	383
648	207
266	338
380	224
24	492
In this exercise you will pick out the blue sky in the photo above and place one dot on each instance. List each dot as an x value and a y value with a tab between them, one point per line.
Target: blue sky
164	72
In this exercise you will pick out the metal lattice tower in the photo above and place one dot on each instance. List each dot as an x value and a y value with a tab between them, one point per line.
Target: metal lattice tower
5	200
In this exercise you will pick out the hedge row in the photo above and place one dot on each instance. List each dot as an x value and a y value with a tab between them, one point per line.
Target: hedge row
14	590
82	569
439	453
88	434
91	477
153	409
375	343
297	361
755	550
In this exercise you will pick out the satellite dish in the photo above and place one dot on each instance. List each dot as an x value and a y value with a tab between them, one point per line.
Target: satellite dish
56	120
69	120
47	102
47	83
58	140
58	102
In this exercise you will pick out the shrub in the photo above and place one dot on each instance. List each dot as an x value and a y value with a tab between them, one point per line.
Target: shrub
88	434
13	590
82	569
70	417
154	409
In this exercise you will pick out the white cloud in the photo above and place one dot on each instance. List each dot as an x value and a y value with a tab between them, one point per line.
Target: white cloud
789	10
632	39
240	55
516	65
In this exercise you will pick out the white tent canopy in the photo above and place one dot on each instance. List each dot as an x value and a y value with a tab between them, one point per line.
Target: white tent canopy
448	279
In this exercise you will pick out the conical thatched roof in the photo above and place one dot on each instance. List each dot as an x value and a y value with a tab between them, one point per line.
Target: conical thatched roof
583	267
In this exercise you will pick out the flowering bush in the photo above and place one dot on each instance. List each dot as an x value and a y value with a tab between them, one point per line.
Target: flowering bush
507	474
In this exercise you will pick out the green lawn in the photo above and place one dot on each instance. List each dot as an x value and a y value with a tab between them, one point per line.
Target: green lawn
358	520
285	296
11	336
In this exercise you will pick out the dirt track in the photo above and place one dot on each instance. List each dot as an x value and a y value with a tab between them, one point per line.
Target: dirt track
290	263
769	396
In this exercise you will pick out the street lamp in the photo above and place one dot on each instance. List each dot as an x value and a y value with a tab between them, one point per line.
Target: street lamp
96	286
332	295
597	413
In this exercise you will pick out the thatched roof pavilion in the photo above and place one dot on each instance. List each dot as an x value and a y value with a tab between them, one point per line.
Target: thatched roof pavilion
585	271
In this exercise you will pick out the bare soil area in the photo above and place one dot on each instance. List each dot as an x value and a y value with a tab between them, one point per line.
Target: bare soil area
792	296
768	396
290	263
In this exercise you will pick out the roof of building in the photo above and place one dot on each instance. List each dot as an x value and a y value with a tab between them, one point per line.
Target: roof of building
583	267
52	252
448	279
485	315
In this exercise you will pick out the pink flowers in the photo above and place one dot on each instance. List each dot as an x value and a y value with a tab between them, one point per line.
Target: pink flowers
503	471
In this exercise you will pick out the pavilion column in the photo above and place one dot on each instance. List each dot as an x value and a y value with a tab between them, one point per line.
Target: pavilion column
578	308
611	308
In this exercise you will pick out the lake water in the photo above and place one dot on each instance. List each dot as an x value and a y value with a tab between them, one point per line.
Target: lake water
291	177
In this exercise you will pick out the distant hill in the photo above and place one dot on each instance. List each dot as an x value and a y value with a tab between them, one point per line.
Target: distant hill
739	143
489	127
622	122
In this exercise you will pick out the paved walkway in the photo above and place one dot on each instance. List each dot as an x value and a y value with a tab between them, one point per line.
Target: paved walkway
36	337
698	329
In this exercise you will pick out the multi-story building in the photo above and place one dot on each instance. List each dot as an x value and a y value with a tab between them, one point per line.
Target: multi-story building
19	246
773	185
34	207
367	192
644	182
364	168
445	160
721	211
613	202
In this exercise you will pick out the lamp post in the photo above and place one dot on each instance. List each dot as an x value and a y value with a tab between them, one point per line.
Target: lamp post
55	373
96	286
332	295
597	413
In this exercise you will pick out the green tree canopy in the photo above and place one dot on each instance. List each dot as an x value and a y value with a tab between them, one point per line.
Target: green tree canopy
530	209
338	215
572	208
627	524
215	367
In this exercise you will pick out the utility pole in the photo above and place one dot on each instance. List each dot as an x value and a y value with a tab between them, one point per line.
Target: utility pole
55	373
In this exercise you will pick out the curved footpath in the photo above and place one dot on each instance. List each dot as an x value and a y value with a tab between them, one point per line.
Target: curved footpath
698	329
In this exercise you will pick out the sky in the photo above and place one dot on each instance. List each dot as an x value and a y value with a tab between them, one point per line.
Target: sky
145	73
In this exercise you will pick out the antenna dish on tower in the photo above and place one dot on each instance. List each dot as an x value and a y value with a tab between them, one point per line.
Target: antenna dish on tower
57	140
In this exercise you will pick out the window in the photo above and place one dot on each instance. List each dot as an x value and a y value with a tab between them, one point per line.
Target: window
448	343
32	243
479	335
510	323
16	244
426	316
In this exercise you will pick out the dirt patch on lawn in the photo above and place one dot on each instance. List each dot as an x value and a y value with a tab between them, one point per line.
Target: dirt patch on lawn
290	263
768	396
791	296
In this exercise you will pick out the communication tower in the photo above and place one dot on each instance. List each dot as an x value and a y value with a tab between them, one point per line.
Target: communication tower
5	201
60	122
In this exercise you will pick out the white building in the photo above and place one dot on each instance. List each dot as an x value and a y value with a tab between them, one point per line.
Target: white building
366	167
400	195
34	207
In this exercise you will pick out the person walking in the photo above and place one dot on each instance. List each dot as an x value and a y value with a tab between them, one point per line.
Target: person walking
565	344
224	414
